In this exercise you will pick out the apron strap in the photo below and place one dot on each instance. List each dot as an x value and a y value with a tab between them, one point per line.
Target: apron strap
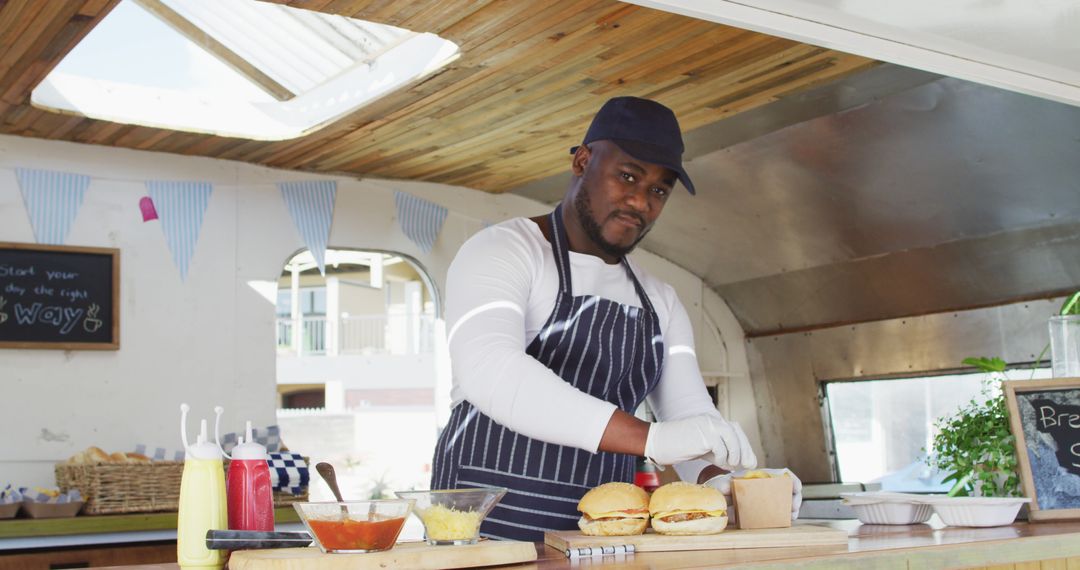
561	248
645	302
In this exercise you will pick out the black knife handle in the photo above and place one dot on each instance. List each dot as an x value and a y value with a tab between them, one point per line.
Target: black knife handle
248	539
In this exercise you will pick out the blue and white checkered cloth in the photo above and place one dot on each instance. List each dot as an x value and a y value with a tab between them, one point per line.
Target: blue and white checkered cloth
10	495
270	438
288	472
35	496
160	453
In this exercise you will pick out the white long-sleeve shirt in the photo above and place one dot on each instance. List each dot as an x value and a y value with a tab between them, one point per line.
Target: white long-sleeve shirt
501	289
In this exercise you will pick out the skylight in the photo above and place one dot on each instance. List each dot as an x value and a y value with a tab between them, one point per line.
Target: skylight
237	68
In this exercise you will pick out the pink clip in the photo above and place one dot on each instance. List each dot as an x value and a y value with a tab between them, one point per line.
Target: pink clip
146	204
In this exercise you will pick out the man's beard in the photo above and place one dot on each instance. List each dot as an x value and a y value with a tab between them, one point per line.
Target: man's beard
594	232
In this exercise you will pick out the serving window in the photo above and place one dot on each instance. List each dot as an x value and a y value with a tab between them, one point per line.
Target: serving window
882	429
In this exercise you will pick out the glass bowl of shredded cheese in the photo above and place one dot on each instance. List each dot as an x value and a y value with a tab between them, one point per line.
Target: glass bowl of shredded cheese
453	516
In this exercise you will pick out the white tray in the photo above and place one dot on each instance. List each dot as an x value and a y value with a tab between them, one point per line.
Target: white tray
893	513
876	497
883	507
977	511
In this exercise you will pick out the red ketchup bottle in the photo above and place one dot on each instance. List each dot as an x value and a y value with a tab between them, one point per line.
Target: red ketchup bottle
250	500
646	476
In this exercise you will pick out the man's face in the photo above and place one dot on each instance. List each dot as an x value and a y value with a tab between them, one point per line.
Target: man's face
620	197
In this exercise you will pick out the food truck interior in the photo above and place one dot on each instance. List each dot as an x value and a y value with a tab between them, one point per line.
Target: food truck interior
879	196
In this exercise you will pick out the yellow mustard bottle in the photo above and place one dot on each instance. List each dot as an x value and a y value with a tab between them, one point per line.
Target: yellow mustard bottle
202	500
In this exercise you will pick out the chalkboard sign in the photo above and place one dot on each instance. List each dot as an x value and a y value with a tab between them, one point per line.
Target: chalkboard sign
59	297
1044	416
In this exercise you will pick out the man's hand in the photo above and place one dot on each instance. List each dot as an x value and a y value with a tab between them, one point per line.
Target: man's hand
706	436
723	483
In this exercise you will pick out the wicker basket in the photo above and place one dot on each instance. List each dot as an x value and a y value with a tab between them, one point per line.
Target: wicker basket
282	498
111	488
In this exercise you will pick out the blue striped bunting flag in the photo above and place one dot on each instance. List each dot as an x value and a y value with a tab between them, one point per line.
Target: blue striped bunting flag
52	200
420	219
311	205
180	207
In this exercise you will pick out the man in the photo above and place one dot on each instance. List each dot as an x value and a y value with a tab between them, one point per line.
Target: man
556	337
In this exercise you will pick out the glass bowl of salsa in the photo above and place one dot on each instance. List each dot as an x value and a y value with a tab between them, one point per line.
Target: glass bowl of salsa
355	526
453	516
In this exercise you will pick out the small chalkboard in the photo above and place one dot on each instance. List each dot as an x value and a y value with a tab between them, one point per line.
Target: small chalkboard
59	297
1044	416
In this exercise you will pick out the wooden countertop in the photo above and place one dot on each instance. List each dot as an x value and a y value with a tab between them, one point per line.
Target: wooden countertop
929	546
93	524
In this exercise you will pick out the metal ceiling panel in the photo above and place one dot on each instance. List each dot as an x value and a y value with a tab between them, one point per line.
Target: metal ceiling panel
794	224
978	272
942	162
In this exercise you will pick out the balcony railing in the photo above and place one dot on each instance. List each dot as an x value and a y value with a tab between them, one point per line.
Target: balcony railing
365	334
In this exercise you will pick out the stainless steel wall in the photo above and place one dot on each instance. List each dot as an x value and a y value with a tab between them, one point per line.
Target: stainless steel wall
787	370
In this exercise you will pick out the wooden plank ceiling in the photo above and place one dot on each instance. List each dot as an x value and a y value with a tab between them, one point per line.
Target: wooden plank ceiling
530	78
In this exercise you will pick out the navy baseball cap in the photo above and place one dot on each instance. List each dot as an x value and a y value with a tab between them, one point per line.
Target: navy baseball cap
642	128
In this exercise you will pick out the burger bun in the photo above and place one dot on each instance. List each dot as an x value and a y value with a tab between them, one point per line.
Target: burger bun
612	497
608	527
608	503
707	525
680	497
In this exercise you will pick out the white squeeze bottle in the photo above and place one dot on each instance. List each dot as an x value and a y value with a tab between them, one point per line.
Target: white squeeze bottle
202	500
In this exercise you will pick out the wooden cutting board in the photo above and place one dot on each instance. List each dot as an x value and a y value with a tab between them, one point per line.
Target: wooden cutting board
798	535
413	555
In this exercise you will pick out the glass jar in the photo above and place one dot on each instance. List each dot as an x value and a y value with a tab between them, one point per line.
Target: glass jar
1065	345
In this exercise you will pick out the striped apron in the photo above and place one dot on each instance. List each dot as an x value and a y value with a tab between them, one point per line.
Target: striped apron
606	349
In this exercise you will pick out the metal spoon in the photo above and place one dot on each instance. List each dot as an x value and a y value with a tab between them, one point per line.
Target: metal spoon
328	475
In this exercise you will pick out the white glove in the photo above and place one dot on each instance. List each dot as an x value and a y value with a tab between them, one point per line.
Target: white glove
706	436
723	483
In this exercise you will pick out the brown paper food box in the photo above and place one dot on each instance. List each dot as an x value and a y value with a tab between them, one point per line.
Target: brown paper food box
762	503
51	510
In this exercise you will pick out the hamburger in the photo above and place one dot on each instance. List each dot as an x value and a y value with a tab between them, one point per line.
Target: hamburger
614	509
685	508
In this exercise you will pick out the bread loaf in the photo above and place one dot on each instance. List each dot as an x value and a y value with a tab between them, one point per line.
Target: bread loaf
93	454
89	455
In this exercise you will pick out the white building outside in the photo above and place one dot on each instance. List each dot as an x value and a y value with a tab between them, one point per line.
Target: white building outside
357	385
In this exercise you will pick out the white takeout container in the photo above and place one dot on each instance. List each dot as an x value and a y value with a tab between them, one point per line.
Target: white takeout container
883	507
893	513
977	511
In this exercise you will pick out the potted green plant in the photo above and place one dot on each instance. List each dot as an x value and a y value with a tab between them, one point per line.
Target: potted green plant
974	445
